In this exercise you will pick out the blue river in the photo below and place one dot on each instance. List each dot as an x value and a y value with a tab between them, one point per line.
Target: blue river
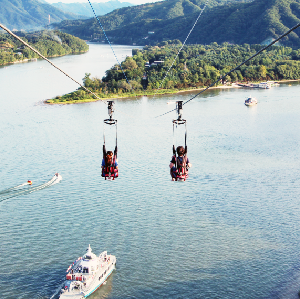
230	231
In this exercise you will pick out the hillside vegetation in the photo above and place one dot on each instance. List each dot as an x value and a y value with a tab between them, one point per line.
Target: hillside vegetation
133	23
236	22
48	43
30	14
196	66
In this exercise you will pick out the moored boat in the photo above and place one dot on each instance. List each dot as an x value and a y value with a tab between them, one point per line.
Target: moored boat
251	101
87	274
264	85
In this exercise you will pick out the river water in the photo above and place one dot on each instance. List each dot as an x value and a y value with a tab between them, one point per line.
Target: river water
230	231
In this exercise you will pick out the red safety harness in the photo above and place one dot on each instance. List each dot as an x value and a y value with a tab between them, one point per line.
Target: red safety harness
181	173
110	171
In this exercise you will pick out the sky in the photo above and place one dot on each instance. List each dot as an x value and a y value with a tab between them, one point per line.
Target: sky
136	2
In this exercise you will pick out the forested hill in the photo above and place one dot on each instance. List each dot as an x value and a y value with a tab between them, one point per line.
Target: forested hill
30	14
48	43
196	66
133	16
236	22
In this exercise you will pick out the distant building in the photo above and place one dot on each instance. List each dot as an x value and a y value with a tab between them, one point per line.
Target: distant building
154	63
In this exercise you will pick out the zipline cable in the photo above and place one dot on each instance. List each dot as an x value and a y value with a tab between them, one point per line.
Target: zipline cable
110	44
221	78
181	47
37	52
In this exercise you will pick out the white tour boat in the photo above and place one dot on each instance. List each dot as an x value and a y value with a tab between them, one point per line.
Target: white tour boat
87	274
251	101
264	85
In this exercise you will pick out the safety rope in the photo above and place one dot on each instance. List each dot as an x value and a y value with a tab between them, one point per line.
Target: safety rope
109	43
181	47
37	52
175	136
104	135
221	78
116	137
185	137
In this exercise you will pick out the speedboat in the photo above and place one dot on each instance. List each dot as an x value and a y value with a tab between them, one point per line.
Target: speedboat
87	274
251	101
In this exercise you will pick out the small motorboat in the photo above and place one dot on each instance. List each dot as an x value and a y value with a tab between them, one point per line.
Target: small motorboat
87	274
251	101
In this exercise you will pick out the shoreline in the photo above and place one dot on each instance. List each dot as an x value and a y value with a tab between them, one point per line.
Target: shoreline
34	59
233	85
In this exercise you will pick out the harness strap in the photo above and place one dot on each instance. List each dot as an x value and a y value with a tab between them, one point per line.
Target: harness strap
181	166
104	152
111	169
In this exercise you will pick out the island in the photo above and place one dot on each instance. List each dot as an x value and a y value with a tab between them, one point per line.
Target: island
196	67
50	43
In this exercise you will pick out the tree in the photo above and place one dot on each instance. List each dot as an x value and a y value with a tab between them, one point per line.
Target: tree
129	64
262	71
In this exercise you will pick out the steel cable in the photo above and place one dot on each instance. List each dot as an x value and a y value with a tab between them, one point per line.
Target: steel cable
221	78
109	43
37	52
181	47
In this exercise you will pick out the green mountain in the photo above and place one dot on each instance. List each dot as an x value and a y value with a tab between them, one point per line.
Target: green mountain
119	18
236	22
85	8
30	14
48	43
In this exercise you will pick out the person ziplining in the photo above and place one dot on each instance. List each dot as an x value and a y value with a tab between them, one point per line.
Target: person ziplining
179	164
109	164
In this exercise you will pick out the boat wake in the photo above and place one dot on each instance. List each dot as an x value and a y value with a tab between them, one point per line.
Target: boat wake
26	188
57	291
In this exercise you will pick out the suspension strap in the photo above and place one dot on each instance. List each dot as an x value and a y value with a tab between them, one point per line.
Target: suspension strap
174	151
177	122
104	149
185	137
110	121
116	147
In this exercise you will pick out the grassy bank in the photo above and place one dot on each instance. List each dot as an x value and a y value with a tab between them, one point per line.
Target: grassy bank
66	99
